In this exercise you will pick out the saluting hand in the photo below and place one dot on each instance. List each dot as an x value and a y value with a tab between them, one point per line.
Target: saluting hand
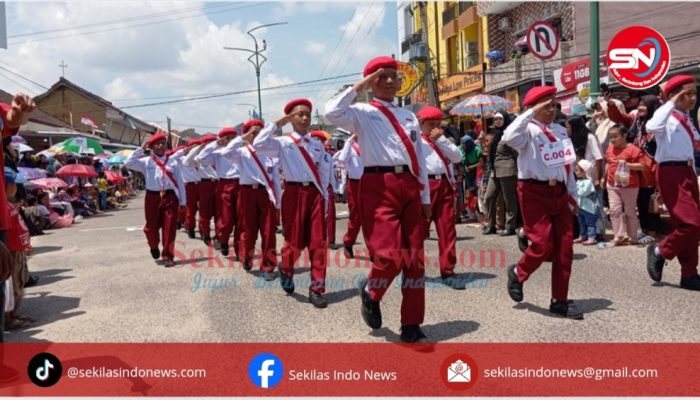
21	105
367	81
435	133
680	96
286	119
543	105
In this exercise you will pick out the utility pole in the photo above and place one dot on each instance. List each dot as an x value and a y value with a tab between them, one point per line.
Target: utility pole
595	51
169	135
432	93
319	121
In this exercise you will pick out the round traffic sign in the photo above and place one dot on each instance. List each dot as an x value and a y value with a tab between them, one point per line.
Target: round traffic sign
542	40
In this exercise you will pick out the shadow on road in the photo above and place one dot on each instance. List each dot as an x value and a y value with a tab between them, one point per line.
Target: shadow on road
45	249
580	256
45	309
51	276
468	278
439	332
586	306
341	295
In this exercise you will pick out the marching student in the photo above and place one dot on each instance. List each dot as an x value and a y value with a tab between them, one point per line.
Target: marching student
165	193
439	155
394	193
332	186
676	137
349	155
256	200
206	188
547	195
191	177
226	190
306	167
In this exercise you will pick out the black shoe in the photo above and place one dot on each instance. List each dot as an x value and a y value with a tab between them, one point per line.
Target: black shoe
224	249
217	244
286	282
33	280
333	246
168	263
515	288
155	253
566	310
269	276
412	334
371	313
522	240
488	230
317	300
347	250
179	226
190	233
453	282
691	283
207	241
507	232
247	266
655	264
279	231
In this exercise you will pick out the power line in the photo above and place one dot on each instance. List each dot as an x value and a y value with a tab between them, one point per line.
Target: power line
117	21
139	25
23	77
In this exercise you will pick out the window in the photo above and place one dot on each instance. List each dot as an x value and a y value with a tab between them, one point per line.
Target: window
471	52
452	55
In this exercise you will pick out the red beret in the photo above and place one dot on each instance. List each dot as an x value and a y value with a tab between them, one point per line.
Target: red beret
194	141
251	123
379	62
158	136
537	93
320	135
297	102
209	137
676	81
175	150
429	113
228	131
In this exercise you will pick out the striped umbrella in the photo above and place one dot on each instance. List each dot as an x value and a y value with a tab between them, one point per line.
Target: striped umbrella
480	104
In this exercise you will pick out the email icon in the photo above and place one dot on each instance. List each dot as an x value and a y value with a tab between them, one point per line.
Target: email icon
459	372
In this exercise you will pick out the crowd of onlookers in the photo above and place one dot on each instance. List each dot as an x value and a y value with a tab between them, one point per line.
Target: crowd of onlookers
615	172
34	208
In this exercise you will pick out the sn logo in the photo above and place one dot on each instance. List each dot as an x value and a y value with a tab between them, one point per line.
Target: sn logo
626	58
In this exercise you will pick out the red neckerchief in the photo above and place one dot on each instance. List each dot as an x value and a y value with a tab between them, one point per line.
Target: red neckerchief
263	170
683	119
167	173
404	138
442	157
309	161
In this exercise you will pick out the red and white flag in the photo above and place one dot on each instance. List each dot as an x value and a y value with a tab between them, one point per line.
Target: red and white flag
86	120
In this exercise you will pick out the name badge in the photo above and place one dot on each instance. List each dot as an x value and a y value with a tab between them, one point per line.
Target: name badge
556	154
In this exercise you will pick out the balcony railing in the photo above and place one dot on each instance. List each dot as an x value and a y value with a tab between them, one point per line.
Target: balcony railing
449	15
409	40
464	6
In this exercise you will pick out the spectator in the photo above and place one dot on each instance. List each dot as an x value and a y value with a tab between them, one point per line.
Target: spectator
103	189
502	160
38	215
587	203
623	188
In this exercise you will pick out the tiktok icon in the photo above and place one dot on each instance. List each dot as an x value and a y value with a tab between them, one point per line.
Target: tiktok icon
44	369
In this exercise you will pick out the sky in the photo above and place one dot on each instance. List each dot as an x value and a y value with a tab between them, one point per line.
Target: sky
136	52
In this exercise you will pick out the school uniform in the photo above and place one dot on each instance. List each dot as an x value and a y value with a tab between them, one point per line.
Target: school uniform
165	193
547	195
349	155
393	189
676	137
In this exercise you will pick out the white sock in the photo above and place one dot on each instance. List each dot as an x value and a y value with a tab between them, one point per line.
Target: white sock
367	287
657	252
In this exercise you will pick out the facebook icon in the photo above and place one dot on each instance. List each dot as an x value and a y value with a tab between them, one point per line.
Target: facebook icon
265	370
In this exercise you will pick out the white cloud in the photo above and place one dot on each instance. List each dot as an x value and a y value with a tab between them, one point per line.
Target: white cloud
312	47
118	89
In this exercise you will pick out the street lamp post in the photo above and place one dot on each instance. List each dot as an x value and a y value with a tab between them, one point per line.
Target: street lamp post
257	55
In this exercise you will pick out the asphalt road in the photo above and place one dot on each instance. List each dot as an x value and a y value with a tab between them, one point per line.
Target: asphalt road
99	284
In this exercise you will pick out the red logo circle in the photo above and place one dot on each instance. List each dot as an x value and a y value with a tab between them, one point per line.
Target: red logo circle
638	57
459	372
